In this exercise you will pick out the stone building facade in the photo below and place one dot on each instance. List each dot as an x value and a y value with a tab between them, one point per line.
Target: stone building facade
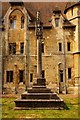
60	49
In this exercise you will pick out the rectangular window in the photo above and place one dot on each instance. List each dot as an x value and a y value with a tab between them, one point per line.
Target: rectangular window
68	46
42	47
43	74
9	76
69	73
60	46
31	77
21	48
12	48
21	75
57	22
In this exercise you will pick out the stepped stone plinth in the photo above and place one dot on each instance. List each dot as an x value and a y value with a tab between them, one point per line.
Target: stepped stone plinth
39	97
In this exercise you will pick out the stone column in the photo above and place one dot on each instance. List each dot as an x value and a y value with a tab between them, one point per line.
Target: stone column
39	59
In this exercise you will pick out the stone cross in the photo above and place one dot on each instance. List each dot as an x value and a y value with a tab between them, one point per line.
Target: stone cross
39	46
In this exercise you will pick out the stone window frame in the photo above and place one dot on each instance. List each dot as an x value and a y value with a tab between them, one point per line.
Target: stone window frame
61	46
12	48
9	76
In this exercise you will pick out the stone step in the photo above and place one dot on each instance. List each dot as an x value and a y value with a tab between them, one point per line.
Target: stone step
39	104
38	86
39	90
39	96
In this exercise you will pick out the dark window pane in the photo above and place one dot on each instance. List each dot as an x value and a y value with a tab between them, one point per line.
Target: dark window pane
21	47
61	76
21	75
31	77
68	46
7	76
43	73
69	73
11	76
42	47
72	11
60	46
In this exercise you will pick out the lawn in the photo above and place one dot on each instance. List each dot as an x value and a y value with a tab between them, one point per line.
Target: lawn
9	112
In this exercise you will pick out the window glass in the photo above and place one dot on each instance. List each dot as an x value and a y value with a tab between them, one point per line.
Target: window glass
14	23
57	22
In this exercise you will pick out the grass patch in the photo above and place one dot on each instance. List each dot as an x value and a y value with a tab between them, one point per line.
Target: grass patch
71	102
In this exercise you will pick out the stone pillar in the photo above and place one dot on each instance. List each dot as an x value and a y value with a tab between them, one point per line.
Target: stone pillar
39	59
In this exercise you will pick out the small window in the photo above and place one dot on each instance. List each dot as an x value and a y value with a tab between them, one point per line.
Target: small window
69	73
72	11
68	46
43	74
42	47
60	46
21	75
12	48
21	48
9	76
31	77
57	22
22	22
